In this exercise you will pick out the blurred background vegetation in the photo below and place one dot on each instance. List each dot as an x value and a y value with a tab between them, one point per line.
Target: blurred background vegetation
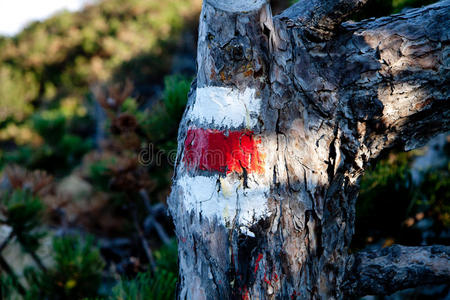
81	94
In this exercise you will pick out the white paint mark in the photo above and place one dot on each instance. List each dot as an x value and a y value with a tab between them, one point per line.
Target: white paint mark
225	107
237	5
225	199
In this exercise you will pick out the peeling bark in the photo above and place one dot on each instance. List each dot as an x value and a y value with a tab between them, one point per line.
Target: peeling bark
319	100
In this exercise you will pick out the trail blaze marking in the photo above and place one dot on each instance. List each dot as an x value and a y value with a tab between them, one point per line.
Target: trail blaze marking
225	107
220	142
222	151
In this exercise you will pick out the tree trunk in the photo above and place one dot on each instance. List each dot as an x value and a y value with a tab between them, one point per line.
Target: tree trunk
285	115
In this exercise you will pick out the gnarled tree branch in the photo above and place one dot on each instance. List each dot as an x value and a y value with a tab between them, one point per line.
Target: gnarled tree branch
384	271
321	17
405	80
389	76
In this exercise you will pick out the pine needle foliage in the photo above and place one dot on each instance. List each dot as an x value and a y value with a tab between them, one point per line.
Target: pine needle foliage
147	287
23	212
76	272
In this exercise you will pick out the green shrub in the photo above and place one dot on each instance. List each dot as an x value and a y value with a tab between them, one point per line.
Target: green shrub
385	198
176	89
23	212
21	156
160	286
75	274
162	123
17	90
51	126
166	257
99	174
147	287
391	204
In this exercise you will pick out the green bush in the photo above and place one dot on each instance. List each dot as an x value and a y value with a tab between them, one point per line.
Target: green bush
50	125
76	271
158	286
391	204
75	274
23	212
147	287
99	174
176	89
166	257
162	123
17	89
60	151
385	199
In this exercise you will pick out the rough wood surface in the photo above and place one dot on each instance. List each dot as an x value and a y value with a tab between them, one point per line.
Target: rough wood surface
321	17
318	105
387	270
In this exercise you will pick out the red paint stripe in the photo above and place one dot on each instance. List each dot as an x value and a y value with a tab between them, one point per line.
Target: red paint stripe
260	256
222	151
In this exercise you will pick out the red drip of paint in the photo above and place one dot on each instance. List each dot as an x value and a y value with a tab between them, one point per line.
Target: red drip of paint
222	151
275	276
245	296
260	256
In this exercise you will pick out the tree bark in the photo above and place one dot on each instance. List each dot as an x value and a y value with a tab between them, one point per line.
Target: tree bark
397	267
285	115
